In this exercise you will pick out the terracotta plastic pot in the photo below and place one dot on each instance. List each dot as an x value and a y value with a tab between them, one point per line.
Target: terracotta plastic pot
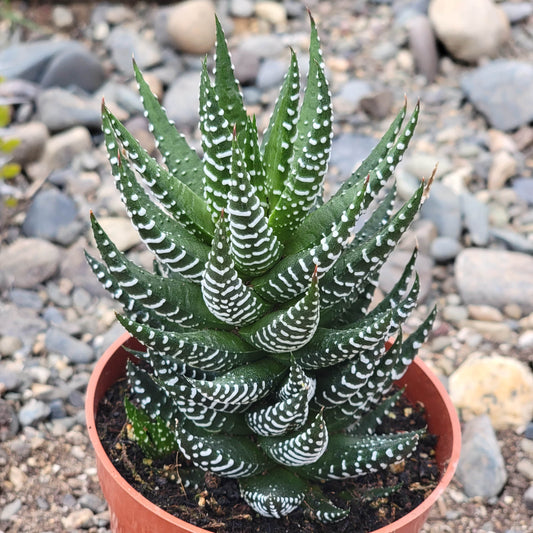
132	513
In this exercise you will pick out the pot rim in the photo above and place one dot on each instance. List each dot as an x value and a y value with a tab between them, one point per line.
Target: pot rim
421	509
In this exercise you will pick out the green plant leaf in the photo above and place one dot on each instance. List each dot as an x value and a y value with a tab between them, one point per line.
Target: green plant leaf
323	509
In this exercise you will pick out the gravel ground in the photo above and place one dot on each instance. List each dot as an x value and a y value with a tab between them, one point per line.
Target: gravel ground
475	237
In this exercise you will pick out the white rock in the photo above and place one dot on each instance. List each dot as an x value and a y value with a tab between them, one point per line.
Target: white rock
469	29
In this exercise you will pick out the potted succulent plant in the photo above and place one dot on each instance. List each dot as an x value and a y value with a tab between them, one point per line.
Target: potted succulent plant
252	349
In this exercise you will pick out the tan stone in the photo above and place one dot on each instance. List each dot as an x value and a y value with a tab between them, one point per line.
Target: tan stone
191	26
502	168
120	231
498	386
485	312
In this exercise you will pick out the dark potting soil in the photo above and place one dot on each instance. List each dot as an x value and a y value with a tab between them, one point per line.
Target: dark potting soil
218	507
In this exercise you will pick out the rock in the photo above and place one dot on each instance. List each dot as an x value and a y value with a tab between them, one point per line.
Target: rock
525	467
241	8
273	12
78	67
191	26
528	433
9	424
528	498
523	188
445	249
181	100
79	519
498	140
501	387
271	73
377	105
423	46
485	312
263	45
469	29
495	277
503	167
59	109
443	208
422	165
33	412
349	149
62	17
481	467
120	231
514	241
78	352
525	341
124	43
92	502
454	313
48	213
28	262
517	11
32	138
475	218
28	61
496	90
246	66
9	345
60	150
346	101
22	323
11	509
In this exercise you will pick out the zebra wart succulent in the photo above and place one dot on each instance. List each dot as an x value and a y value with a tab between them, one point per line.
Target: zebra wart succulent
263	361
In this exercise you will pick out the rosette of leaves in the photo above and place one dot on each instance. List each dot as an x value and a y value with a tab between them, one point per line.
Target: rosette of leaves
263	361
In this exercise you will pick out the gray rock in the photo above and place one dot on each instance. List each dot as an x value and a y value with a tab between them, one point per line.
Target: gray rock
517	11
271	73
514	241
181	100
443	208
528	498
124	43
241	8
349	149
523	187
78	67
445	249
11	509
528	432
123	95
59	342
423	46
346	101
475	218
496	90
246	66
481	467
48	213
24	324
263	45
28	262
59	109
10	379
9	424
377	105
92	502
495	277
33	412
28	61
26	298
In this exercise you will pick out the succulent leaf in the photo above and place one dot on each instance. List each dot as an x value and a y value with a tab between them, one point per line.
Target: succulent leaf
181	160
279	137
351	456
274	494
306	447
180	201
288	330
324	510
253	161
224	292
224	455
254	247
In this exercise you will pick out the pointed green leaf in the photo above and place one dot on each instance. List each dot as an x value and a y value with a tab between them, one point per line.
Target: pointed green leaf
281	133
224	455
352	456
312	149
323	509
181	160
303	448
180	201
172	243
274	494
224	293
209	350
290	329
254	247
